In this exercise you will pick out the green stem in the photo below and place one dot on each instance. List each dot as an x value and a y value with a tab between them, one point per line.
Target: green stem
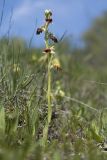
45	131
49	76
49	91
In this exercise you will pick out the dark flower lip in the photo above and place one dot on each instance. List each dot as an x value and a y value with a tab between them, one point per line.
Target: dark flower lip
49	20
39	30
54	39
47	50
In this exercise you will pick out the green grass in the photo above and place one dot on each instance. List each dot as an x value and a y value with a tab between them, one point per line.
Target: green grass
79	98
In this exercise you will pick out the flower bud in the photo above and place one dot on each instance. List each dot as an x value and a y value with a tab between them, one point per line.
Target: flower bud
16	68
56	64
48	13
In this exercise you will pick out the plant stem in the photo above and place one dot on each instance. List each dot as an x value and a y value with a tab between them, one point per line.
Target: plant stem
45	131
49	91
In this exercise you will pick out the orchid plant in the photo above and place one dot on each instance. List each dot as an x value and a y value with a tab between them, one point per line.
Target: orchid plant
52	62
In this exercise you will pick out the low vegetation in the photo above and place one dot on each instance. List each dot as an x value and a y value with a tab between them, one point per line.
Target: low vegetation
61	117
